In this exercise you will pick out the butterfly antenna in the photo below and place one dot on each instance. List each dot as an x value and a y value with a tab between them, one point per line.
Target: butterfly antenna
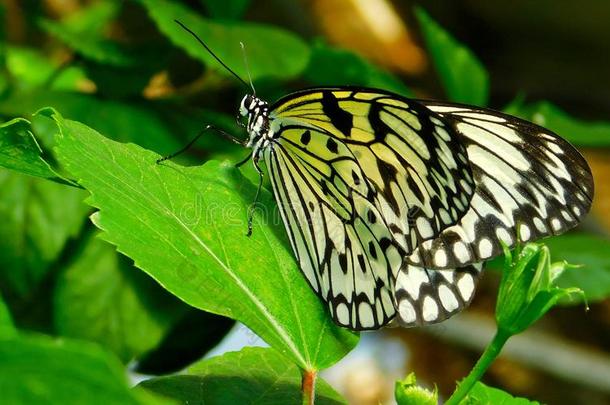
243	51
207	48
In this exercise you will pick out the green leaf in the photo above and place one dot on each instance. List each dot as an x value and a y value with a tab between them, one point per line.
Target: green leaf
186	227
117	69
30	68
592	271
227	9
272	52
463	76
94	18
101	297
7	328
196	333
90	45
20	152
578	132
38	218
84	32
482	394
334	66
253	375
163	127
127	122
41	370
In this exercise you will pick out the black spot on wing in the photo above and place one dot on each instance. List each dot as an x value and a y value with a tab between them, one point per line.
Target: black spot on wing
332	146
306	137
371	217
356	178
372	250
341	119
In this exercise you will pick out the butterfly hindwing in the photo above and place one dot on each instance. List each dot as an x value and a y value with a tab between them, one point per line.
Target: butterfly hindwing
425	296
528	181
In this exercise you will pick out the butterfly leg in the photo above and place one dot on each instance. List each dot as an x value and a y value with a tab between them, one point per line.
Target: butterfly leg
199	135
258	191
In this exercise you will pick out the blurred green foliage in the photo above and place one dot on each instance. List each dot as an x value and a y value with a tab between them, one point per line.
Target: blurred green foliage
128	71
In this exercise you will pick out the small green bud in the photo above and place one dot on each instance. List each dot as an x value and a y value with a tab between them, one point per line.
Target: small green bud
527	290
407	392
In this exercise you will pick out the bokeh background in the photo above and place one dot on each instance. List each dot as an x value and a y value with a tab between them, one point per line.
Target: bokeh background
106	63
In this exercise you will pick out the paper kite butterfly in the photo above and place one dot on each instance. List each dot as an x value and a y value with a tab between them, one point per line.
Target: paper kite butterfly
392	204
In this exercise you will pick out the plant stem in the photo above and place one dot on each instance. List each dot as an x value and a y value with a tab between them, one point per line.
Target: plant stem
489	355
308	386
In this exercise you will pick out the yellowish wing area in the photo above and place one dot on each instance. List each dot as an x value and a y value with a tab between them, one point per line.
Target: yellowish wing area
404	151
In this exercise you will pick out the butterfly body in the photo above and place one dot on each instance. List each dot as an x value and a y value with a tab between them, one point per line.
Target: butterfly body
391	204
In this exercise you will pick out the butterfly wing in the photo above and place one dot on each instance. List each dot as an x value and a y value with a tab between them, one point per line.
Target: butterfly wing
418	169
360	177
527	178
425	296
343	248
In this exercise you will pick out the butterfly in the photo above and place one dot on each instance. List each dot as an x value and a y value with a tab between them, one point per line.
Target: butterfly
392	205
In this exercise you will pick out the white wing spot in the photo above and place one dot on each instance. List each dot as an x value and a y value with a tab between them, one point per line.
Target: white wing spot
555	224
566	215
366	315
554	147
485	117
443	133
445	216
440	258
548	137
461	252
447	298
429	309
436	121
504	236
411	280
539	224
576	210
465	286
444	108
342	314
485	248
424	228
407	312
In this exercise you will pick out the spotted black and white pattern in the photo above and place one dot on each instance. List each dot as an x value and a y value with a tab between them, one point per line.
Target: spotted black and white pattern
391	205
530	184
425	296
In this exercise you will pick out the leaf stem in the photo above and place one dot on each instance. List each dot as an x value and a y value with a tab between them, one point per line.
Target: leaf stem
489	355
308	386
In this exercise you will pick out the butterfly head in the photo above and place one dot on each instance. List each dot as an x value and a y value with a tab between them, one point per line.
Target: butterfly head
254	114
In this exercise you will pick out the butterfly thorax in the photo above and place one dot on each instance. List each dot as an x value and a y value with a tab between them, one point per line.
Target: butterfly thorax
257	113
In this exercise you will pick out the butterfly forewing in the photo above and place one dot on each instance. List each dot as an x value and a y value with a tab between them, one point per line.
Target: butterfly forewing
410	158
528	181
